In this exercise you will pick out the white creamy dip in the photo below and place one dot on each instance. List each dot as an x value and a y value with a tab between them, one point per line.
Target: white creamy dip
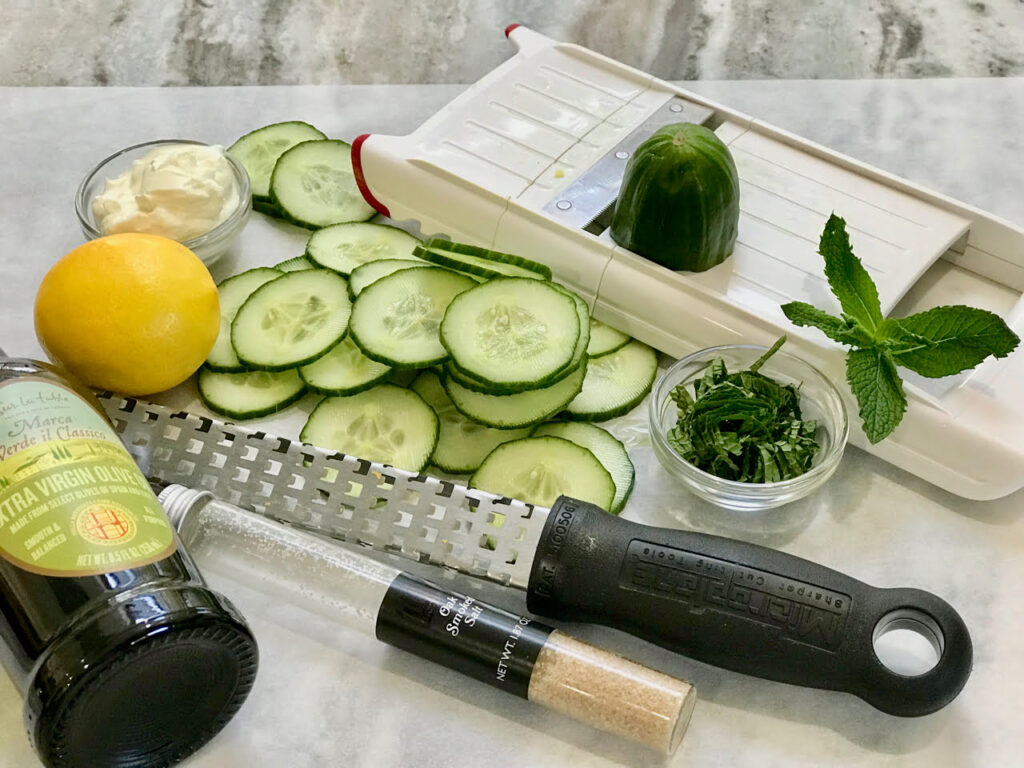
179	191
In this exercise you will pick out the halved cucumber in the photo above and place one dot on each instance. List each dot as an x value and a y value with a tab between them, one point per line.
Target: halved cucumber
314	186
480	261
461	444
395	320
343	247
297	264
249	394
373	271
538	470
258	150
615	383
292	320
605	339
344	370
519	410
608	450
232	294
512	332
386	424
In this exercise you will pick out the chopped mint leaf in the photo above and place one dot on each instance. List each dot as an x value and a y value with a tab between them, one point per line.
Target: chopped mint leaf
743	426
946	340
847	278
878	388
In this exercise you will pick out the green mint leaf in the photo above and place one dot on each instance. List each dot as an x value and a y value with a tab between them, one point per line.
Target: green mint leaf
845	331
946	340
872	376
847	278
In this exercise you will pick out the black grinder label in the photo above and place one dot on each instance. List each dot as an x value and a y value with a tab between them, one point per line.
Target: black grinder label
461	633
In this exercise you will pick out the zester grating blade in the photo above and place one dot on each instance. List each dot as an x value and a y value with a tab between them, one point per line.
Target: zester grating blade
420	517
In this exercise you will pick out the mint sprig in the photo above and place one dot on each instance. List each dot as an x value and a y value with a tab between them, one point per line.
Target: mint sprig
937	342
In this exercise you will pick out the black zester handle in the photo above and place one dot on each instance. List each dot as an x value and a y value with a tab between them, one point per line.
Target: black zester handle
739	606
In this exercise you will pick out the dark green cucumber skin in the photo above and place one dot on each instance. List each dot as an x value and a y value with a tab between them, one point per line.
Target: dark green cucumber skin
440	244
451	260
240	415
679	203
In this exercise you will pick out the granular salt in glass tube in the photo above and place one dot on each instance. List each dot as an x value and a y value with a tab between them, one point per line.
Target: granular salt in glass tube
515	653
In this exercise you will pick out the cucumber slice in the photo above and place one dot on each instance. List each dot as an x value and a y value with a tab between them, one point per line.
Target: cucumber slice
313	185
375	270
580	352
461	444
512	332
615	383
538	470
605	339
344	370
519	410
475	265
249	394
395	320
232	294
343	247
386	424
292	320
258	150
488	259
583	313
297	264
609	451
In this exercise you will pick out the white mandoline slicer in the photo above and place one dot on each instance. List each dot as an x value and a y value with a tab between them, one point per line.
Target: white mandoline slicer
529	161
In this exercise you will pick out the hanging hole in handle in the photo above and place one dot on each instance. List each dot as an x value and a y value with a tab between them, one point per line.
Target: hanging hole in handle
908	642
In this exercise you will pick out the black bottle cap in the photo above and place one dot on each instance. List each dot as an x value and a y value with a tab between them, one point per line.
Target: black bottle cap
142	683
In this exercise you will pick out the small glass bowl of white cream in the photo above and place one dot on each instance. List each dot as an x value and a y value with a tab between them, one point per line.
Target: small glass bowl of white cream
186	190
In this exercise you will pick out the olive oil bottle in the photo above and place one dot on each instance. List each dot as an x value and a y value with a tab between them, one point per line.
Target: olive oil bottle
124	657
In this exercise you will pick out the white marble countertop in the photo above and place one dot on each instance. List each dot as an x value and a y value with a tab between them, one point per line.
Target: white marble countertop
326	698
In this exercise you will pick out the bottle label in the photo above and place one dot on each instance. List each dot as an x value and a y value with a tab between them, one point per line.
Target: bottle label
72	500
455	630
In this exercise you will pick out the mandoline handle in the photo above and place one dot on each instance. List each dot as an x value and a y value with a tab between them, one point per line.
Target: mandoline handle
742	607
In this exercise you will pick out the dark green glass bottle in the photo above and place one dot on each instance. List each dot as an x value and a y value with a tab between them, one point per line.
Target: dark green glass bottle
124	657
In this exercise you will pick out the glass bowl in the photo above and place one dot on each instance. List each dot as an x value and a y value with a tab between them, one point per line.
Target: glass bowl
210	246
819	400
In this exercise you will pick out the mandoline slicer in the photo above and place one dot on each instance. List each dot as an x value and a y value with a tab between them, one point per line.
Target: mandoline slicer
529	160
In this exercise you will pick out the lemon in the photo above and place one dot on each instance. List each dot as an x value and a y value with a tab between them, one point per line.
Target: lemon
132	313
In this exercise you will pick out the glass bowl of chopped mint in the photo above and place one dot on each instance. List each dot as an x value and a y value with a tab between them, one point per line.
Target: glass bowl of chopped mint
747	427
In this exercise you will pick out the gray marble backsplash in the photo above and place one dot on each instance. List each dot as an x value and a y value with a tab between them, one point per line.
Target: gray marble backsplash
262	42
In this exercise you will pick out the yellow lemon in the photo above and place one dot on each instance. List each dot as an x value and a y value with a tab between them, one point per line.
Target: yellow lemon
131	313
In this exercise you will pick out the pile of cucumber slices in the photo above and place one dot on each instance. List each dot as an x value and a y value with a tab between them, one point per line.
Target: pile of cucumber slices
432	353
